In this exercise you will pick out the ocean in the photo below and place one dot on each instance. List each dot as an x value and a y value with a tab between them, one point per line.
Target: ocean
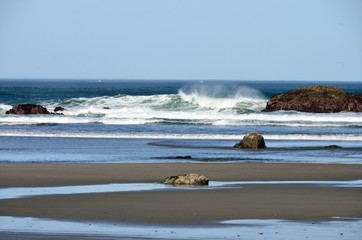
170	121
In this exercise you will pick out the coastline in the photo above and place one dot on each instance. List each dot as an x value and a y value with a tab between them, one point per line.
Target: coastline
185	207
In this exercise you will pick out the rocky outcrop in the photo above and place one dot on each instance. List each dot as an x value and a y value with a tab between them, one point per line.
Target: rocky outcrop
28	109
251	141
316	99
187	179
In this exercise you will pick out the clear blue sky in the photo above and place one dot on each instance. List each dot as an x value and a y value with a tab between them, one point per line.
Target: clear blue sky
181	39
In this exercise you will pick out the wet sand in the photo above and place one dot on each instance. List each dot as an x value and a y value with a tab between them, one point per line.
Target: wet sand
34	174
184	207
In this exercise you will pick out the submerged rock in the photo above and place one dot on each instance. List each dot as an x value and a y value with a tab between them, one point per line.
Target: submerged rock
251	141
187	179
332	147
316	99
28	109
183	157
59	109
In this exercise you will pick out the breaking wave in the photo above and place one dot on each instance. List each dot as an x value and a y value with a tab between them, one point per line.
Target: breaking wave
219	105
194	105
223	97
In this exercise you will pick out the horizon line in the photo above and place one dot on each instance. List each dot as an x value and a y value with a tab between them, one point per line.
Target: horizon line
172	79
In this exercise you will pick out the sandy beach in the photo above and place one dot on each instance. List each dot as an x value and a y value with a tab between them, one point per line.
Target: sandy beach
184	207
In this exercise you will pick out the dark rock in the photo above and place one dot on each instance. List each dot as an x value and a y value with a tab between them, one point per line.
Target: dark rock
59	109
107	108
183	157
251	141
187	179
316	99
28	109
333	147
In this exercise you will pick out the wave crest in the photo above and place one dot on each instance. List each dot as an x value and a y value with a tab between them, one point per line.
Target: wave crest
196	104
4	108
218	96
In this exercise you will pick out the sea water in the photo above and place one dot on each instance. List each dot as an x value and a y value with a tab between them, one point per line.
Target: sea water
170	121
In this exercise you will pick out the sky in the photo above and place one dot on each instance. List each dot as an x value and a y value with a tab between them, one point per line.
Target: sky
181	39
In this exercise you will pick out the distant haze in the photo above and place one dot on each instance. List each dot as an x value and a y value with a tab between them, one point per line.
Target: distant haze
181	39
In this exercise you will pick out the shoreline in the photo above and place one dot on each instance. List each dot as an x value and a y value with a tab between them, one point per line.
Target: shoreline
184	207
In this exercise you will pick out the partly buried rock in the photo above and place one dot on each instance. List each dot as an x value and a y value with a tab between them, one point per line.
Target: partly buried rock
252	141
28	109
316	99
187	179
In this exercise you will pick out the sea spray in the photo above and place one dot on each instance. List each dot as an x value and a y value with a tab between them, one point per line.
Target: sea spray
218	96
194	104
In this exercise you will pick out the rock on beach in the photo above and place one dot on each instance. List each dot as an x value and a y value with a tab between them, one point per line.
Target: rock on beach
187	179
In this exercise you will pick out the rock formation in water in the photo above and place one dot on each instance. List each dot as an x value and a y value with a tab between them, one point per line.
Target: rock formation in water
251	141
28	109
59	109
316	99
187	179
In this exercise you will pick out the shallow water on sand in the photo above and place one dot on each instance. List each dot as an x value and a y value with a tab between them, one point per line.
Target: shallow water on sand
26	192
232	229
98	150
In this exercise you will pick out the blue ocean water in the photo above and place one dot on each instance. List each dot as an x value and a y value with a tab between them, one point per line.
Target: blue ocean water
158	121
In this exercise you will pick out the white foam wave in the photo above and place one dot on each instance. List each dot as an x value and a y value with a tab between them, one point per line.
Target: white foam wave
4	108
222	96
286	137
42	119
222	103
193	105
126	116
